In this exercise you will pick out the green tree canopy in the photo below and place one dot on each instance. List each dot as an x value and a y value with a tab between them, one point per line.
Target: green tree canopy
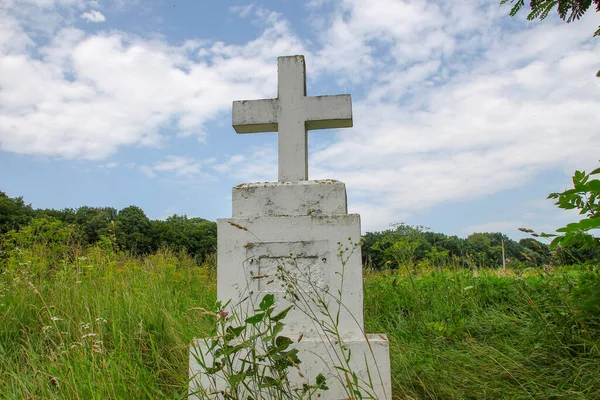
133	230
14	213
535	251
196	235
404	244
66	215
94	222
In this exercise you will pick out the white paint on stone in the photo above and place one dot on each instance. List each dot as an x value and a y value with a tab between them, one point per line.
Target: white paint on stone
309	260
320	257
291	241
325	197
292	114
300	229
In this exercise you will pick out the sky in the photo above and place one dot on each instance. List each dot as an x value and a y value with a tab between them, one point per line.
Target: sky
465	118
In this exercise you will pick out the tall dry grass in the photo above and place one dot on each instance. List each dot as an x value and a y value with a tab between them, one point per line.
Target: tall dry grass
106	325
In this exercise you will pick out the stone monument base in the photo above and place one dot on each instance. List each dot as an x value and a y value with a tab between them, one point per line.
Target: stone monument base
369	359
296	242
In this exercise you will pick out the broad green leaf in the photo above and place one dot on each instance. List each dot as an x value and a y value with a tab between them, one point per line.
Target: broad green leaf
293	355
321	382
214	369
590	223
567	238
594	185
213	344
255	319
283	358
236	331
283	342
281	315
278	328
239	347
572	227
267	301
268	381
557	240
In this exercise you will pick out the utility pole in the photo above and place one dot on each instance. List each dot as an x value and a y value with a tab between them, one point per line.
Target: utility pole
503	257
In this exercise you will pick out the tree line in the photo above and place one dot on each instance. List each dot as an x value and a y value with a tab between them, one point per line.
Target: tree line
413	245
130	230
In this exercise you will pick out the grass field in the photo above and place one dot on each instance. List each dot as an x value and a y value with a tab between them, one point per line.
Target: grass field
113	326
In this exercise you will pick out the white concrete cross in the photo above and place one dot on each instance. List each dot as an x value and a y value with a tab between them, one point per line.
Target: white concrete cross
292	114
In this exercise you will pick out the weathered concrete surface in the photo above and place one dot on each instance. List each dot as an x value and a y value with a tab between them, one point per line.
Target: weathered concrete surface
292	114
275	199
295	240
297	237
307	246
369	356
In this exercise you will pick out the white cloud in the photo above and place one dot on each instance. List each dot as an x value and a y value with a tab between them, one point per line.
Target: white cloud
168	212
177	168
510	227
50	3
147	171
452	100
242	11
13	39
103	91
435	126
230	164
180	166
259	166
375	215
109	165
93	16
43	17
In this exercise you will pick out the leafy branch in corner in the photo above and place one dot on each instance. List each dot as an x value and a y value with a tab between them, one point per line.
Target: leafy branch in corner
568	10
584	196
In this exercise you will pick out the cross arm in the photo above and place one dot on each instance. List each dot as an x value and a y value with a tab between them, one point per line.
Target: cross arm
325	112
251	116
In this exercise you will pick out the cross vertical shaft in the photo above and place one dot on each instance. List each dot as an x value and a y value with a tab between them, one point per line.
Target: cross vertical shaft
292	132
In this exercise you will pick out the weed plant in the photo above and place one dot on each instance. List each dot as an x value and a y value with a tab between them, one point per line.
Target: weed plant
248	357
325	309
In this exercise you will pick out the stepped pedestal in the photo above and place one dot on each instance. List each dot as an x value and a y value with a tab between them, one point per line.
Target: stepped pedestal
296	241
